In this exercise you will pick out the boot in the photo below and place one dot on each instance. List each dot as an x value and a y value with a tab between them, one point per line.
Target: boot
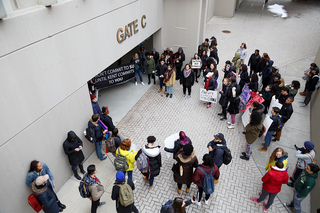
188	190
303	93
179	191
76	174
62	206
81	169
216	181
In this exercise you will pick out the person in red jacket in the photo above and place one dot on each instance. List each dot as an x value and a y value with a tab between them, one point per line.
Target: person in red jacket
198	176
272	182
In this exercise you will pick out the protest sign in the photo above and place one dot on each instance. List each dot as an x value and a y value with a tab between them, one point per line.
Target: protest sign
208	96
196	63
274	103
169	143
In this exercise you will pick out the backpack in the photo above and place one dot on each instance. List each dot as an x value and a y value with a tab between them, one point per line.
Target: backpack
318	82
143	163
111	145
90	134
84	190
166	206
227	157
216	84
208	181
125	194
34	202
120	162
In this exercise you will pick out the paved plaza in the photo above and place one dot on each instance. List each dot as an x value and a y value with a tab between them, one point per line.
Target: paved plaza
292	43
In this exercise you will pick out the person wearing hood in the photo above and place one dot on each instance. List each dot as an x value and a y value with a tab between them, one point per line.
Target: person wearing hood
266	73
236	61
150	67
272	182
179	143
95	187
168	54
188	160
228	70
254	61
126	151
303	186
95	105
45	195
225	95
155	55
142	57
154	155
305	156
215	148
72	147
243	51
99	134
277	155
179	58
252	131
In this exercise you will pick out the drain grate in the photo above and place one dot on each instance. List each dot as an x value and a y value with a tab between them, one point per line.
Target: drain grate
226	31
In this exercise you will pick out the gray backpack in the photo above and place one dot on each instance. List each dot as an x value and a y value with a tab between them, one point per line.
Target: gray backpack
120	162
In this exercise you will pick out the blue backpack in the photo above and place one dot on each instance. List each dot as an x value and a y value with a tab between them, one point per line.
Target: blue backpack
165	207
208	181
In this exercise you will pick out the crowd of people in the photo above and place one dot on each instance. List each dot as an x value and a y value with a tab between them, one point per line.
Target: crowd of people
263	81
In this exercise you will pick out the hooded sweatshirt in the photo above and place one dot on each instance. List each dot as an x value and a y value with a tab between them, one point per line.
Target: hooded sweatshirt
154	155
266	70
75	157
305	183
179	57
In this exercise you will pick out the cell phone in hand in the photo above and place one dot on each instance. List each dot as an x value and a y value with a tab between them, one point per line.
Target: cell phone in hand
295	146
194	198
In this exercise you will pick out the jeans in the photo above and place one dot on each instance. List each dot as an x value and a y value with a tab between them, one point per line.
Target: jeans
267	139
296	201
169	89
139	73
199	194
264	194
98	150
94	205
151	181
308	97
129	174
161	82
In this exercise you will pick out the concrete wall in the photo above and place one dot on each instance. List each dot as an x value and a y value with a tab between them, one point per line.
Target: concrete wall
315	135
225	8
210	9
46	57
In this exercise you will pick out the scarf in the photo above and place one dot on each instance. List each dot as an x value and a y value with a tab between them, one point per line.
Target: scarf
186	73
167	75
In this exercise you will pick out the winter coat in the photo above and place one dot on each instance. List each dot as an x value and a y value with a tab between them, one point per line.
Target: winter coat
188	163
233	107
130	155
172	79
305	183
292	90
225	95
177	146
266	70
168	57
149	65
236	61
154	155
286	112
204	48
33	175
142	53
188	81
259	109
312	82
261	65
215	74
75	157
276	121
217	152
244	78
204	61
46	197
266	95
304	159
171	210
97	130
96	189
214	54
252	132
107	120
136	62
115	196
155	57
282	98
243	53
253	86
96	108
199	176
254	61
283	159
179	58
273	180
161	69
212	84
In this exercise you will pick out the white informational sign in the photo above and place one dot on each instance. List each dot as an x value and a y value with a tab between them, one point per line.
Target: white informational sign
208	96
134	147
195	63
246	117
169	143
267	123
274	103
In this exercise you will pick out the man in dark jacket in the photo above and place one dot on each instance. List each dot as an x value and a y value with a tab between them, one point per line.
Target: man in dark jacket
310	86
214	54
285	114
120	180
106	119
215	148
154	155
72	146
95	105
179	58
254	61
266	73
99	134
161	69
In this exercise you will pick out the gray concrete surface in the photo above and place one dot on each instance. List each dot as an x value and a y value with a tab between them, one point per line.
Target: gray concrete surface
292	43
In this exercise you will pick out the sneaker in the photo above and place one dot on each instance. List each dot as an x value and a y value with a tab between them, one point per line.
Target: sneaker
221	114
102	203
150	187
208	106
142	83
254	200
189	96
262	144
104	158
188	190
149	82
170	95
167	95
198	203
264	207
206	201
303	105
263	149
165	92
222	119
136	83
183	95
216	181
231	126
228	122
145	178
290	204
261	194
244	157
161	95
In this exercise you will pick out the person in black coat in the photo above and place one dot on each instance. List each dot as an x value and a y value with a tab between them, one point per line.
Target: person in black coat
225	94
215	148
311	86
178	144
179	58
285	113
72	146
254	61
161	69
254	85
106	119
187	80
154	155
228	70
244	77
214	53
155	56
234	100
120	179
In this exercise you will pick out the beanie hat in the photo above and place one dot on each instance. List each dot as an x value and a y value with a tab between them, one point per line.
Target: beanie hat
41	179
105	108
92	96
153	50
151	139
309	145
120	176
213	37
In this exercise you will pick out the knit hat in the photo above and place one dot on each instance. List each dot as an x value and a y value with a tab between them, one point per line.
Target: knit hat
41	179
151	139
153	50
309	145
219	136
120	176
105	108
92	96
209	75
213	37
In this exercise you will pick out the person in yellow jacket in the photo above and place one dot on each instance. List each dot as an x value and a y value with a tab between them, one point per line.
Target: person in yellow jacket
169	80
130	155
277	155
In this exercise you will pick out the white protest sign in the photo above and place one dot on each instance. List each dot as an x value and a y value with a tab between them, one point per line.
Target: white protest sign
267	123
169	143
208	96
274	103
246	117
196	64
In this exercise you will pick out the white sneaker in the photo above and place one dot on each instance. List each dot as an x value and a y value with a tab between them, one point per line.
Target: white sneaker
183	95
231	126
135	83
206	201
228	122
198	203
189	96
142	83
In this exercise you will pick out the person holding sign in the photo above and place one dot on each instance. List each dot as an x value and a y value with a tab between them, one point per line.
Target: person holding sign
196	64
187	80
211	84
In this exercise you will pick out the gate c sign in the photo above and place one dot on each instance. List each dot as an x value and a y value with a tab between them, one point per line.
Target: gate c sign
130	29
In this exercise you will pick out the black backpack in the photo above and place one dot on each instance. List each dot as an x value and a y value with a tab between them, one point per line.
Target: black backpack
89	133
227	157
84	190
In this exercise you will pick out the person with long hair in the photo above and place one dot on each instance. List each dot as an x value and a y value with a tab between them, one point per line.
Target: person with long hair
137	68
234	100
126	151
277	155
203	57
244	77
169	80
266	93
178	205
254	85
179	143
187	80
198	176
252	133
225	95
196	70
262	63
243	51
